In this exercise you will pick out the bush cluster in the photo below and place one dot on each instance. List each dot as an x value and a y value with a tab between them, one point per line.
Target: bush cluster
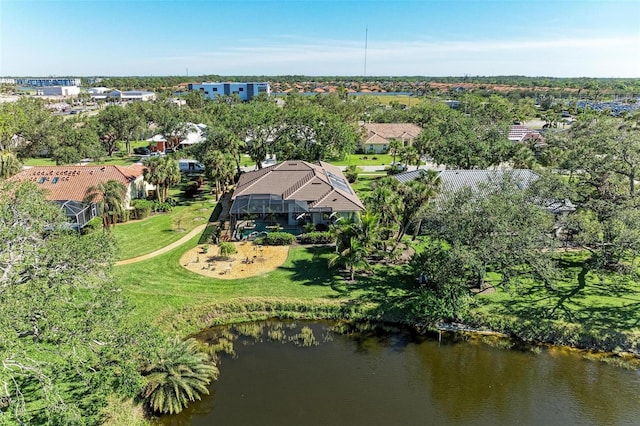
278	239
142	208
92	226
316	238
163	207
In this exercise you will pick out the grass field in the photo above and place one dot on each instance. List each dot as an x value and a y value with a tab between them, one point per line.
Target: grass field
140	237
116	160
365	160
580	297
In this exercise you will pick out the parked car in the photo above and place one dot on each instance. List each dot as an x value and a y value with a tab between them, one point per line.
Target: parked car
401	167
190	166
141	151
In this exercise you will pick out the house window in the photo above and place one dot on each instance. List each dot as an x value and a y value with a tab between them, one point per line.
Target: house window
55	179
241	89
215	89
42	180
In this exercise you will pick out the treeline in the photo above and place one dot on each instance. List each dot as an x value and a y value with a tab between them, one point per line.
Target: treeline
401	83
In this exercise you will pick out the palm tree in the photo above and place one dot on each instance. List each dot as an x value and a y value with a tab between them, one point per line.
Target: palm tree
109	196
219	168
383	200
162	172
176	375
395	145
415	197
353	257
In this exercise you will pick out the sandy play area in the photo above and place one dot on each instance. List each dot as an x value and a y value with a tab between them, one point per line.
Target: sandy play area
250	260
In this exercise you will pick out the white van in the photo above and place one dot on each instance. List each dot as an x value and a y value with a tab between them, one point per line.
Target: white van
190	166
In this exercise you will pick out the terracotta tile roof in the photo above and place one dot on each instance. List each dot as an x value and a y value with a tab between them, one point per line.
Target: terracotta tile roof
62	183
321	185
404	131
519	133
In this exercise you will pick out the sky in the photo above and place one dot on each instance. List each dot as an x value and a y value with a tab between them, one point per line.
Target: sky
561	38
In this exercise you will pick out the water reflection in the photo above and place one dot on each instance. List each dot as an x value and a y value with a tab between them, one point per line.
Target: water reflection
288	373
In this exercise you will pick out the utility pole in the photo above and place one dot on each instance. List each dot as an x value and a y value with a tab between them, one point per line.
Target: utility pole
366	34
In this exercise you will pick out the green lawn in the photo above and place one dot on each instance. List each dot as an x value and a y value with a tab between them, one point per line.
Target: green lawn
366	160
140	237
580	298
362	186
38	162
400	99
160	288
116	160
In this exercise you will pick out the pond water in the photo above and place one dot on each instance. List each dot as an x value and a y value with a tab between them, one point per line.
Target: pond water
285	373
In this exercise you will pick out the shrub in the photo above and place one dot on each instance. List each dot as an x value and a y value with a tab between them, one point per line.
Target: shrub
142	208
278	239
191	190
351	173
321	227
92	226
227	249
126	215
316	238
162	207
309	227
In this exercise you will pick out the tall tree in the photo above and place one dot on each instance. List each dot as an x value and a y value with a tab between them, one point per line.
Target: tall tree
63	323
497	226
219	168
110	198
415	197
163	173
258	124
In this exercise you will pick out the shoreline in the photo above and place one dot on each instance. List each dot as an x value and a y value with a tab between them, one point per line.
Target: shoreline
193	320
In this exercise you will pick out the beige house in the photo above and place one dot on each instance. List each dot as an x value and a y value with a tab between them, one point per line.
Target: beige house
292	193
377	136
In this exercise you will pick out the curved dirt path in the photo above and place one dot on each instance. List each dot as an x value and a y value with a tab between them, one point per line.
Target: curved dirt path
198	229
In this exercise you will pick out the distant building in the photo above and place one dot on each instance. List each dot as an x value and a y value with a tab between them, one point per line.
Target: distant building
44	82
523	134
124	96
246	91
97	90
378	136
59	91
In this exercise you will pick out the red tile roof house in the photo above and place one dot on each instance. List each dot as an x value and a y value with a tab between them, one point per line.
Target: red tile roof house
290	194
377	136
523	134
67	185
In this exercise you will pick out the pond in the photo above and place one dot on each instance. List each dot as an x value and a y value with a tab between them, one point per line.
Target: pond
322	373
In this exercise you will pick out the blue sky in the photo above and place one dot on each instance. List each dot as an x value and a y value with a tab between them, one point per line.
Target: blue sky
558	38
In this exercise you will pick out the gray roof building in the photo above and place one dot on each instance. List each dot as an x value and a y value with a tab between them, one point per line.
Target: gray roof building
455	180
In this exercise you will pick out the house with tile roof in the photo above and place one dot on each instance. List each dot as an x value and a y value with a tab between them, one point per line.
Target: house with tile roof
378	136
523	134
291	193
67	185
